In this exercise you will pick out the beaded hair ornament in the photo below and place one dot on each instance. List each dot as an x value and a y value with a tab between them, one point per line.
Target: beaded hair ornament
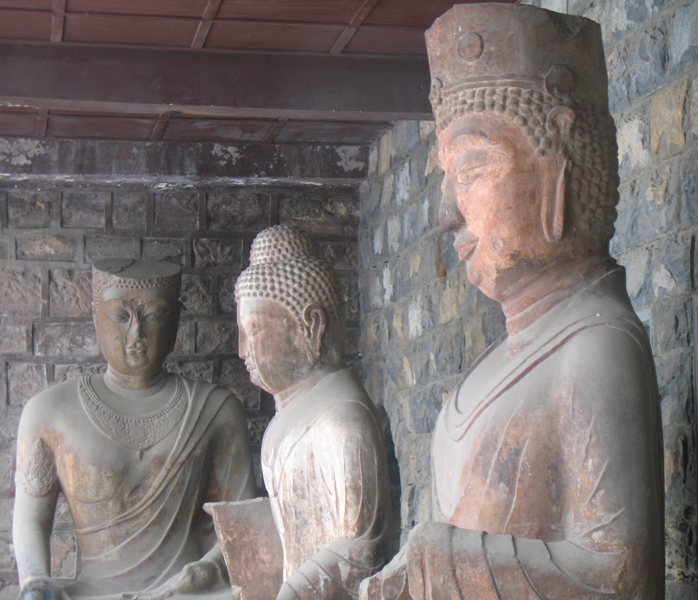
133	274
285	266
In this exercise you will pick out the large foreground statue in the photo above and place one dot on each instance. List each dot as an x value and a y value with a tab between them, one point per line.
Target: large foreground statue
323	458
547	476
135	451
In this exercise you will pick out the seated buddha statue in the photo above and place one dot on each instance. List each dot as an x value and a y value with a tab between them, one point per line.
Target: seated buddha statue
135	451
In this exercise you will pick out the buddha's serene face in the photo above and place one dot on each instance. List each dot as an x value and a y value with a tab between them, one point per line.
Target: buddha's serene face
272	344
491	202
136	329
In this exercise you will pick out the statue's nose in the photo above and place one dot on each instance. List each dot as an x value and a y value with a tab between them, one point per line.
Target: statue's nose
450	218
134	328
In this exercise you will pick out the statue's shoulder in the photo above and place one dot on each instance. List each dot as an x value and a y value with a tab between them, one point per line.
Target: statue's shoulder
349	405
54	397
52	406
215	398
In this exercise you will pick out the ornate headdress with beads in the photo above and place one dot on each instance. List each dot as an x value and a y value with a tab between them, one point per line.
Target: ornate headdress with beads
133	274
519	62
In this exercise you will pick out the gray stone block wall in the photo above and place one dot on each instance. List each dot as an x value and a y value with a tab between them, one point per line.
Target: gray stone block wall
52	229
422	324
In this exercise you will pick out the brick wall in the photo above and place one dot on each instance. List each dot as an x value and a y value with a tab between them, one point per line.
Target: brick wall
422	324
52	229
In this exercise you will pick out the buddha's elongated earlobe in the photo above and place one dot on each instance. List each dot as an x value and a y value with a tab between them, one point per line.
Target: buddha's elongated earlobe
314	325
556	170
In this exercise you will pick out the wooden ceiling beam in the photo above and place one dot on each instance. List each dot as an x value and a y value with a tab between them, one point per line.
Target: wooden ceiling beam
152	82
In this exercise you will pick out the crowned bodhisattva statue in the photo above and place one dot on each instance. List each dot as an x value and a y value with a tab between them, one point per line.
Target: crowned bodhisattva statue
136	452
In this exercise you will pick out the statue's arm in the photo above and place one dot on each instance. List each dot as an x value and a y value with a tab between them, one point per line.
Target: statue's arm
36	493
352	491
232	476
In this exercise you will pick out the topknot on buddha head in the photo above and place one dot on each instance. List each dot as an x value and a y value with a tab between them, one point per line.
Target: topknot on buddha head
282	243
285	266
132	274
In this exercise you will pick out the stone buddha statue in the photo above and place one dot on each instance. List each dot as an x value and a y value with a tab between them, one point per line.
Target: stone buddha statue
546	461
323	458
136	452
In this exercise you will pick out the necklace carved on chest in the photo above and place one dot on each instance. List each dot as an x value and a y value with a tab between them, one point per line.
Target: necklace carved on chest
133	433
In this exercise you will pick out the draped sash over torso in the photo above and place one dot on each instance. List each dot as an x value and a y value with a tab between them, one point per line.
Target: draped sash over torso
154	536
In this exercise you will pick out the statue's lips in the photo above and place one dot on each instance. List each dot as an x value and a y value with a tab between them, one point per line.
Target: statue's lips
136	350
464	245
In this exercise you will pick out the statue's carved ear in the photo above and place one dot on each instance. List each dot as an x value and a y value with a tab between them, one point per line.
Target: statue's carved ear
559	125
315	322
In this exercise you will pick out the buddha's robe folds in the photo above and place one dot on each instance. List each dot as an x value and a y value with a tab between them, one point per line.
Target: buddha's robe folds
547	480
324	466
138	519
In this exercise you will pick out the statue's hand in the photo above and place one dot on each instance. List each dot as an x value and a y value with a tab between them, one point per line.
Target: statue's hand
39	588
388	584
195	576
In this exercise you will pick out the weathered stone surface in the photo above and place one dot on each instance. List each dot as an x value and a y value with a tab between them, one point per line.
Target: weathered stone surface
236	378
350	291
256	426
404	136
415	506
168	249
186	333
213	252
128	209
65	372
633	143
244	529
672	324
679	469
177	211
650	52
226	294
681	553
337	214
237	210
84	209
64	554
667	136
215	336
7	472
20	291
684	33
30	209
9	590
13	338
196	295
25	380
65	339
70	293
341	255
638	276
671	266
689	187
202	370
98	247
47	247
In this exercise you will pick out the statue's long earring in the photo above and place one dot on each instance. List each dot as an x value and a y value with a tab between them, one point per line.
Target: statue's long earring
555	173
